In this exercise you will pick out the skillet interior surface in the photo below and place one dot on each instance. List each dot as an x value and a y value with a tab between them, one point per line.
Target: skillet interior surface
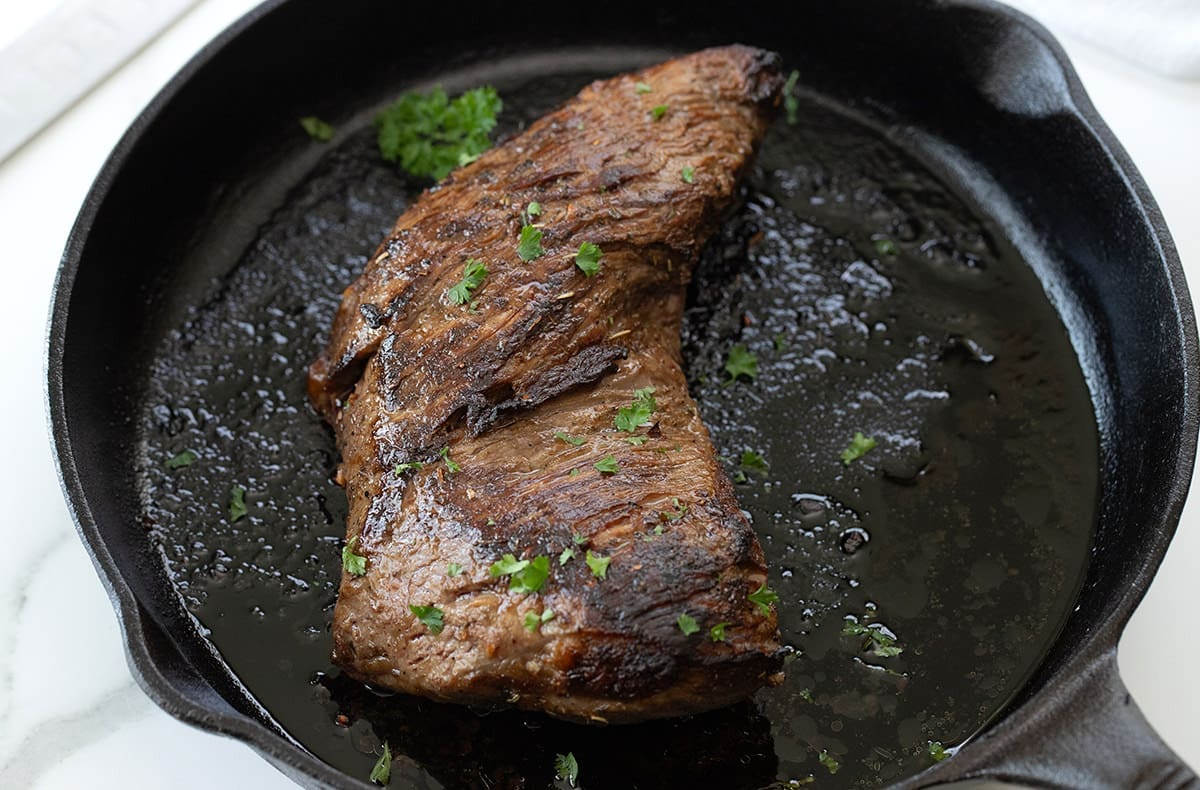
879	293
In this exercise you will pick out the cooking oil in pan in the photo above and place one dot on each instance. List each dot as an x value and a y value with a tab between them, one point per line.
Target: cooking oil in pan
922	575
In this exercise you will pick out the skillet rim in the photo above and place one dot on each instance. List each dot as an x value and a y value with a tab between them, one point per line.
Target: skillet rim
137	627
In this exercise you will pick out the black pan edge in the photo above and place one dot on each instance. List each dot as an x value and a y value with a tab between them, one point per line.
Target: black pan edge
164	675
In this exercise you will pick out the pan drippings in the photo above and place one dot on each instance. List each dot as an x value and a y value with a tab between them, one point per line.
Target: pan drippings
920	582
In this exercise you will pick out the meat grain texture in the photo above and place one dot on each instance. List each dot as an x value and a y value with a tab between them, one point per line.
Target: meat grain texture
545	349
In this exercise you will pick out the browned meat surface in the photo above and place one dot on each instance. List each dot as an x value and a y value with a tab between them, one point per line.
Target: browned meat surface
545	349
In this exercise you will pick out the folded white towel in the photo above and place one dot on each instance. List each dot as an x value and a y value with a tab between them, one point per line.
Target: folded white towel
1161	35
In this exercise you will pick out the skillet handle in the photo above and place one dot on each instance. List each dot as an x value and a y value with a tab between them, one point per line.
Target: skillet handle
1088	733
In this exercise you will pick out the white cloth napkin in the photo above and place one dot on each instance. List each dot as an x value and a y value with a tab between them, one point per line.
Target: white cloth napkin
67	47
1160	35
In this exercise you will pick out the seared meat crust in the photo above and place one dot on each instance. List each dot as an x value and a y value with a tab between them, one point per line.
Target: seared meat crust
545	349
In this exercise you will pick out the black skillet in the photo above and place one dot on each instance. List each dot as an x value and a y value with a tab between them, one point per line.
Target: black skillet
983	93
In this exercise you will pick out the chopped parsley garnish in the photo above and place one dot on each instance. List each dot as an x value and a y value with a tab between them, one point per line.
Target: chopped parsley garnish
430	134
630	418
885	247
937	751
677	513
382	772
567	555
454	569
659	111
410	466
450	464
598	564
237	503
565	767
430	617
875	638
317	129
790	102
642	88
763	597
806	695
687	624
530	245
637	441
533	209
533	621
780	341
753	462
717	632
355	564
474	273
826	759
579	539
573	473
525	576
507	565
186	458
588	259
574	441
859	446
607	465
741	363
688	174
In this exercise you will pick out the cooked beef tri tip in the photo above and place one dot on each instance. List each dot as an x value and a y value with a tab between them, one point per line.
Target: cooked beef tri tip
612	579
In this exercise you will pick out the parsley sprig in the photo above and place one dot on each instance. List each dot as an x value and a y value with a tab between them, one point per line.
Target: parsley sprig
566	767
430	134
763	597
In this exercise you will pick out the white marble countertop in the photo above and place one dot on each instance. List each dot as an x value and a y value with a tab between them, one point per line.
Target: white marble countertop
70	715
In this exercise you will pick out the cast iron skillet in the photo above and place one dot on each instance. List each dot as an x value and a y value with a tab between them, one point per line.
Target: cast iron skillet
989	86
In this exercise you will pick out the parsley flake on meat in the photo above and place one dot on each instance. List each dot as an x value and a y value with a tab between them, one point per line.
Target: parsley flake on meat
474	273
430	617
530	245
